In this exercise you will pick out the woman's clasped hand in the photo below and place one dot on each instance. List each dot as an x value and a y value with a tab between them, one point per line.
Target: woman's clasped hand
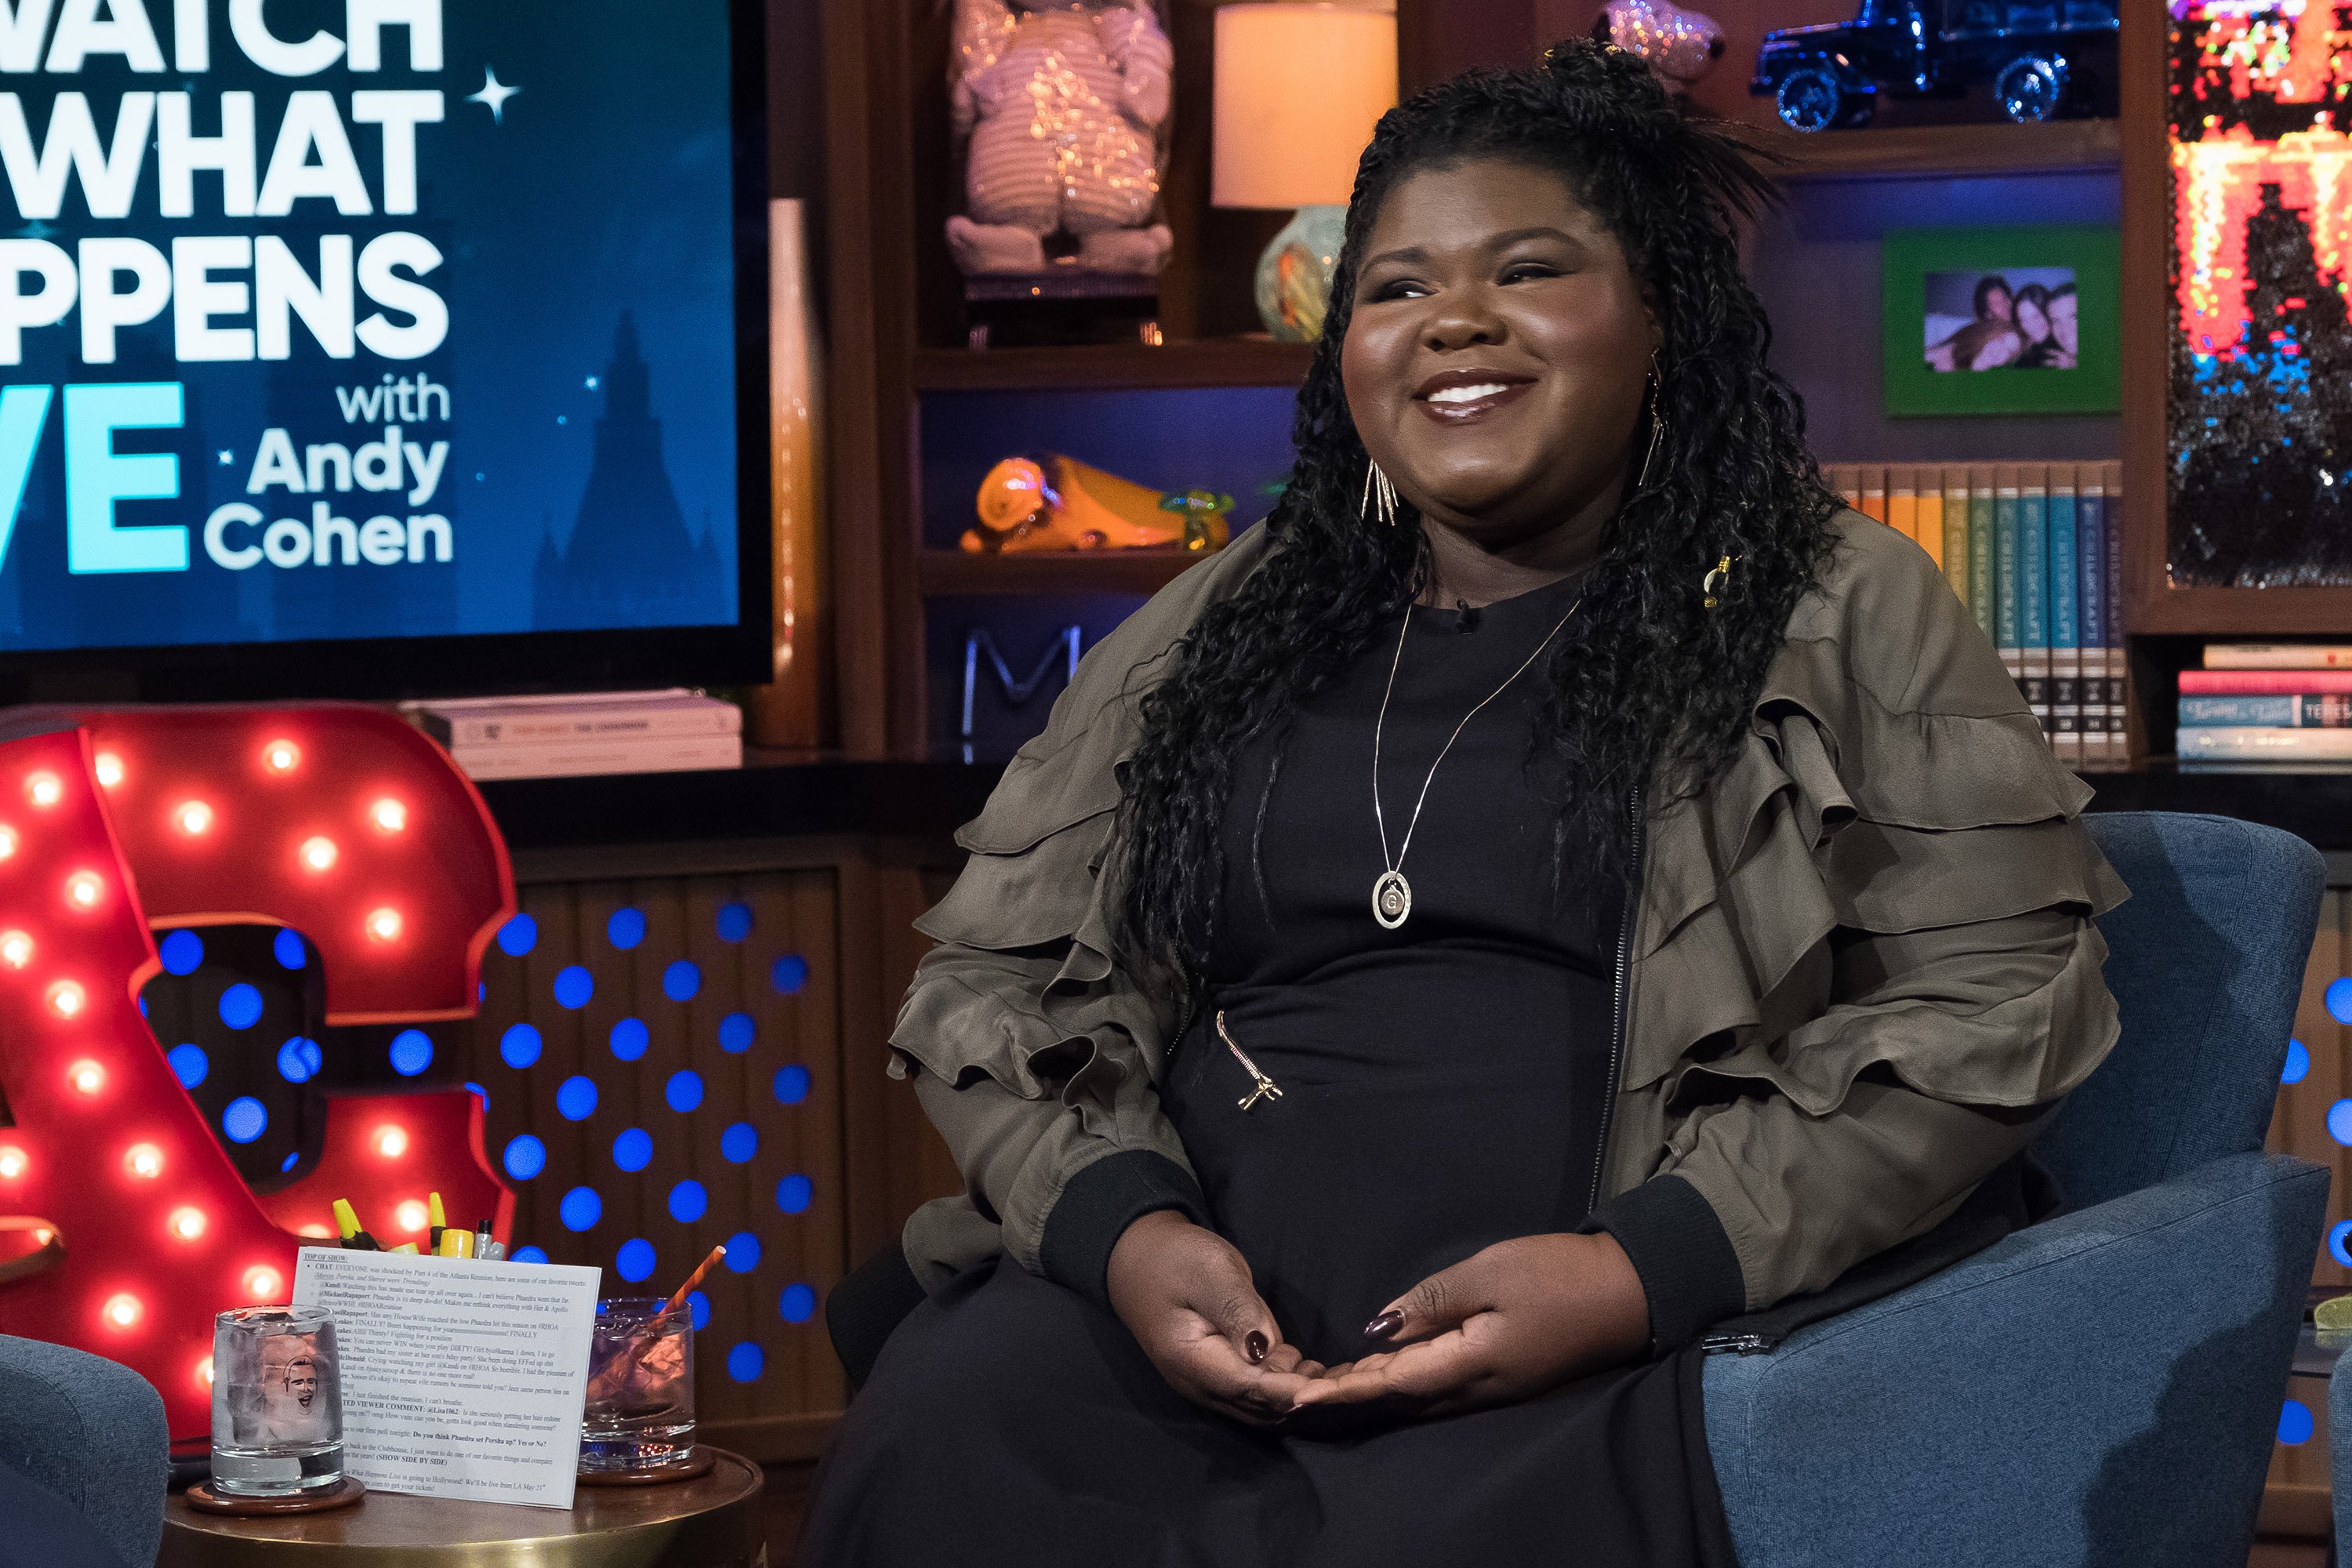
1504	1324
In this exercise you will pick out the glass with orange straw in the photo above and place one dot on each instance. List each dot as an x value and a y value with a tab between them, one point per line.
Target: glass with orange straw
639	1418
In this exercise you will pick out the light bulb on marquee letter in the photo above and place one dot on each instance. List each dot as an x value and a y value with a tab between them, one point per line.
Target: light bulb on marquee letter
194	817
319	854
16	949
384	924
45	789
109	768
281	756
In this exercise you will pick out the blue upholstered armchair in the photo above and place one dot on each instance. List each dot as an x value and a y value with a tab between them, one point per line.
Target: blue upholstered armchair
90	1434
2103	1387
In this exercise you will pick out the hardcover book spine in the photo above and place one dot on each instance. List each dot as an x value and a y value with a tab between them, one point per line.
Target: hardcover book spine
1846	478
2111	485
1928	513
2065	621
1955	530
2277	655
2307	710
1902	503
2008	608
2033	588
1982	591
1874	492
2223	742
2263	682
2090	590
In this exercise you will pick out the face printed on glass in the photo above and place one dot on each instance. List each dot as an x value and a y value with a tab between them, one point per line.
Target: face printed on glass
290	1412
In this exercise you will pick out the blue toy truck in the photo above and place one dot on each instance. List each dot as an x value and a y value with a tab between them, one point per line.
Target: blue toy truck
2043	58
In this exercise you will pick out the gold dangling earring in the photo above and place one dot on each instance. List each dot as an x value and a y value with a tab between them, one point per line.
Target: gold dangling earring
1718	578
1380	500
1657	423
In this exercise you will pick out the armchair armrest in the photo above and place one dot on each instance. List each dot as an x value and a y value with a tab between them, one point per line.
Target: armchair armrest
92	1432
2100	1387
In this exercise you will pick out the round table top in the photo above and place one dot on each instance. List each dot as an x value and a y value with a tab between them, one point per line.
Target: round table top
710	1521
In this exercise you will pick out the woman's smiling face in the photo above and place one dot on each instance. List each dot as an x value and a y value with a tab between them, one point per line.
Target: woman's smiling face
1498	351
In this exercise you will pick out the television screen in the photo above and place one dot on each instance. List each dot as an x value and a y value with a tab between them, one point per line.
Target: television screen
330	324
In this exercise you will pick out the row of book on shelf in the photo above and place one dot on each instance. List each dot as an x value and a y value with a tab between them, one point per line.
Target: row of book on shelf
2254	703
2034	550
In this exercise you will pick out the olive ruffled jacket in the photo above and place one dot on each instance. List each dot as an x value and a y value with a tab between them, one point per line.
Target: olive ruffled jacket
1861	971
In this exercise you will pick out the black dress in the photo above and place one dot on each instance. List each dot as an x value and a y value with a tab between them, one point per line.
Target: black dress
1442	1087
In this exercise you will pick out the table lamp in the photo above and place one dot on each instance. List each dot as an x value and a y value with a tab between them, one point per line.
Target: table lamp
1300	84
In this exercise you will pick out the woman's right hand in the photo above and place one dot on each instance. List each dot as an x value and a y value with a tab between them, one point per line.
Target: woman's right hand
1186	1295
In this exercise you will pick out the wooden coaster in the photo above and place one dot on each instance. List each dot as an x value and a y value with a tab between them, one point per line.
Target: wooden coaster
343	1494
696	1461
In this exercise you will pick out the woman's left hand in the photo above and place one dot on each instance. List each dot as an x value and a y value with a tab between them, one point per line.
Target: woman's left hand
1501	1325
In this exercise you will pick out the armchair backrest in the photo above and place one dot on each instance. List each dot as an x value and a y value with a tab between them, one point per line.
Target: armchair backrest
2206	960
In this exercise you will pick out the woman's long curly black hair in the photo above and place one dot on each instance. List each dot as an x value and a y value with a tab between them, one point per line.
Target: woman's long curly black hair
1647	687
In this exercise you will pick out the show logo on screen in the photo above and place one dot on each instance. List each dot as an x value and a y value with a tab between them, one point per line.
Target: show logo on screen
362	318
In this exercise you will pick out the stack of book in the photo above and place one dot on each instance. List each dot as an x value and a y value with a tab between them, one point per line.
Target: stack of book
2267	703
676	731
2034	550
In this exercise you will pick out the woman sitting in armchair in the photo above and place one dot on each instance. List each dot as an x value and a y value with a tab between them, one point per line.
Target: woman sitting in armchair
1557	887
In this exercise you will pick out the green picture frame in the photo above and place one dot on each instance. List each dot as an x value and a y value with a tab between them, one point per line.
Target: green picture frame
1911	257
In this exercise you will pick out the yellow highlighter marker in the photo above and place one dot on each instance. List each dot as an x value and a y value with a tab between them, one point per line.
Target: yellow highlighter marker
347	1218
434	1222
407	1246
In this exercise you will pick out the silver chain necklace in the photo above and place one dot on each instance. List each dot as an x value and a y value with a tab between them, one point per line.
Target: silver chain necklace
1392	894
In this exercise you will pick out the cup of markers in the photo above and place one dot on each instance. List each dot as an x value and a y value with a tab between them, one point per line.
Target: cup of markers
442	1239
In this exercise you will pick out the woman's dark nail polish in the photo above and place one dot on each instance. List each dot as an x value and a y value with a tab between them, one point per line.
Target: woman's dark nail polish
1255	1346
1386	1324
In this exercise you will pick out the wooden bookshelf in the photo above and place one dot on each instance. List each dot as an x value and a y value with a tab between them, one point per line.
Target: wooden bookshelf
1915	152
951	571
1205	362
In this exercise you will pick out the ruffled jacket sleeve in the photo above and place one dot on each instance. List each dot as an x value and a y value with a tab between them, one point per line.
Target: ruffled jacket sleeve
1866	968
1035	1039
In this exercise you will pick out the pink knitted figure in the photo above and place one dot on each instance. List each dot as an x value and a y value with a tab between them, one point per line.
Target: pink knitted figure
1062	101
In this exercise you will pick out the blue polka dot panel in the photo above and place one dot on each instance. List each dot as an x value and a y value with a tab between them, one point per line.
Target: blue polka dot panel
657	1055
287	948
2298	1063
2296	1424
189	1065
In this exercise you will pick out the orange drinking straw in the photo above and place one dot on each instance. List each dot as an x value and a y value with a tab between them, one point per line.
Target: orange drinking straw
678	1299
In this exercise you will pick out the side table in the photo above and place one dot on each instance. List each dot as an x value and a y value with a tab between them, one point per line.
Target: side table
711	1521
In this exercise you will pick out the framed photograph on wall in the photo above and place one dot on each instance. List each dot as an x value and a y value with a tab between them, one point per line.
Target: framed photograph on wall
2020	320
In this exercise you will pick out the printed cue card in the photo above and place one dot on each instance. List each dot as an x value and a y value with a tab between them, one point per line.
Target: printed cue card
461	1379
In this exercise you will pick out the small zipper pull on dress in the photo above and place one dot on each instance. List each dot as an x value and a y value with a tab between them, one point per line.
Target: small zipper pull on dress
1267	1088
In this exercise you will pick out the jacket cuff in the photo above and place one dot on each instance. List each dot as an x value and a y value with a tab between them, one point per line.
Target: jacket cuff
1680	1250
1100	1202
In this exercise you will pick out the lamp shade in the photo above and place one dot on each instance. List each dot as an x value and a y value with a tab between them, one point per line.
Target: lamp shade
1299	87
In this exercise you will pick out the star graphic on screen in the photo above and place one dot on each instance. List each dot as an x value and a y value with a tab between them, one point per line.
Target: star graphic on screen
494	96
